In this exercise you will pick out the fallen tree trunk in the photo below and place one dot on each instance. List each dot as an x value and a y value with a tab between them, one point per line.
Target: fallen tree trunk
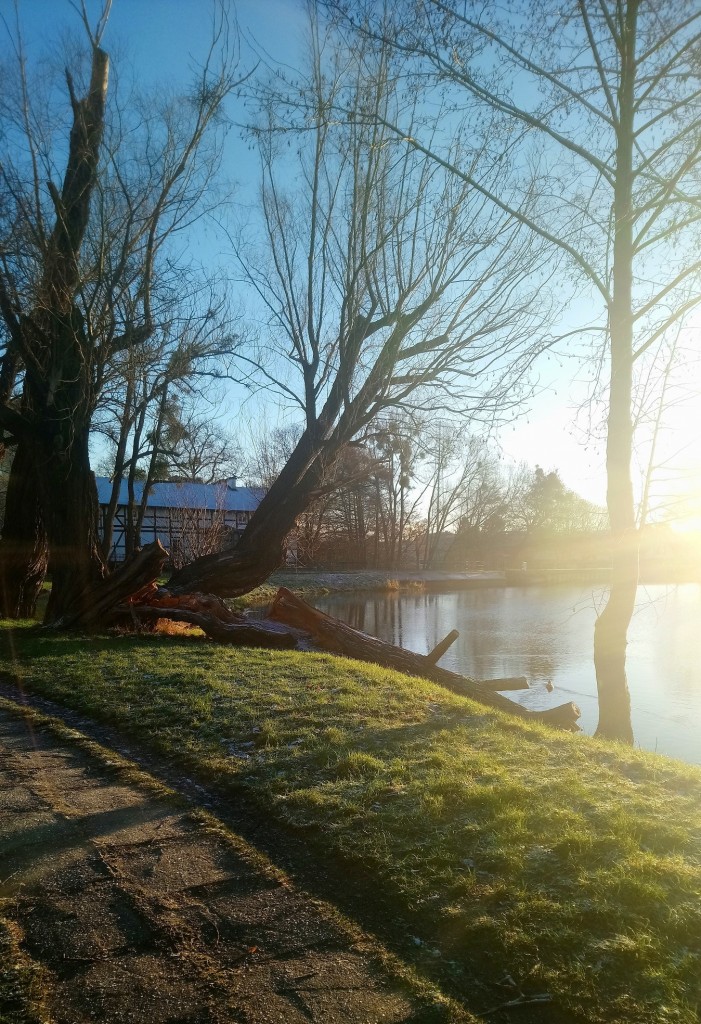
204	605
131	590
245	634
131	594
332	635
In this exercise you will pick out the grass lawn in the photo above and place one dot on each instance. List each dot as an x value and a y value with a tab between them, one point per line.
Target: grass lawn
570	865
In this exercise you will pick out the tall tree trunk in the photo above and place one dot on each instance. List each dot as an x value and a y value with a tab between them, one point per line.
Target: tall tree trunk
610	641
360	532
376	546
53	488
130	543
119	460
23	549
108	516
61	412
611	629
75	561
150	473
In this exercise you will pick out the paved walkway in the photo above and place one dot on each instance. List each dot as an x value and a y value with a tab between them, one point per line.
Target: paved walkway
140	912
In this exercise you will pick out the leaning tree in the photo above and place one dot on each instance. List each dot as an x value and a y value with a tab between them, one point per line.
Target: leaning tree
385	282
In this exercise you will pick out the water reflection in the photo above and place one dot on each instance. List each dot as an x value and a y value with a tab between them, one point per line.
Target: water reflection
546	633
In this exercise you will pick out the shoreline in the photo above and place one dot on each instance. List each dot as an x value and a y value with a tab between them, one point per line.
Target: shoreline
309	581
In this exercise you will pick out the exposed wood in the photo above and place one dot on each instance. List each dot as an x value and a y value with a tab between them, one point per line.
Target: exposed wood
99	603
439	650
332	635
246	635
212	616
203	604
507	683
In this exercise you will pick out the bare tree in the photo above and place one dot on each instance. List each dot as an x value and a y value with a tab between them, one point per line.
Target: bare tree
537	502
198	449
198	532
391	450
667	393
604	100
77	267
387	283
150	416
466	492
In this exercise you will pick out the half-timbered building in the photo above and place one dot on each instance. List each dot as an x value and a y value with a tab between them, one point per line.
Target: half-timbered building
188	518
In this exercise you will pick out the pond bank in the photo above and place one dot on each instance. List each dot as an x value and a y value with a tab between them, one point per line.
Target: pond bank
383	580
311	583
315	581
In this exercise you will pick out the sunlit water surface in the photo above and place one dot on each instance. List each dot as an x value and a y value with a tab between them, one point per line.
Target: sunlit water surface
546	633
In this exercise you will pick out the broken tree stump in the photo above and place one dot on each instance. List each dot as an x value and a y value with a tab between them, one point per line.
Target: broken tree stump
332	635
439	650
100	602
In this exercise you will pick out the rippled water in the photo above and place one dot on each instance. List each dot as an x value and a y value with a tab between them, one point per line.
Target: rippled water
546	633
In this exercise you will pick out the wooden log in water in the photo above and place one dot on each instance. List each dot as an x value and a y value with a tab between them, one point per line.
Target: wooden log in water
507	683
332	635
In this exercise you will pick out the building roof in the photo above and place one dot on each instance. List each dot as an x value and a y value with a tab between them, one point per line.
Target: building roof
224	495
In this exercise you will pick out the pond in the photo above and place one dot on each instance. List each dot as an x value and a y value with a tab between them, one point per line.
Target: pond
546	633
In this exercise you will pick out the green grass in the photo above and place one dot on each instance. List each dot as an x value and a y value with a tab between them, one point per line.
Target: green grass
569	864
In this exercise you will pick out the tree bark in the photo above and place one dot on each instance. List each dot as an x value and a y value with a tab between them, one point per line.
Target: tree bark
75	560
611	629
248	634
99	603
51	517
23	548
261	549
610	641
58	392
439	650
119	460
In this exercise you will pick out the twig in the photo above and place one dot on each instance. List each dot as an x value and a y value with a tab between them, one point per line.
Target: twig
512	1004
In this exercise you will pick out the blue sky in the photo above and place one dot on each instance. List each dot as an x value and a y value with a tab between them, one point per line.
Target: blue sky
163	37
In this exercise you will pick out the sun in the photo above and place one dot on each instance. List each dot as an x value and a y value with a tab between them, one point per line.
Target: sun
692	524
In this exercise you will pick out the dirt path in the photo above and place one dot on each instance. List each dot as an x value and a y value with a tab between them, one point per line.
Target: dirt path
140	911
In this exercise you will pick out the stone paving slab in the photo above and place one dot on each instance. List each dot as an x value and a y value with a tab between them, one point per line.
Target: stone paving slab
139	913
